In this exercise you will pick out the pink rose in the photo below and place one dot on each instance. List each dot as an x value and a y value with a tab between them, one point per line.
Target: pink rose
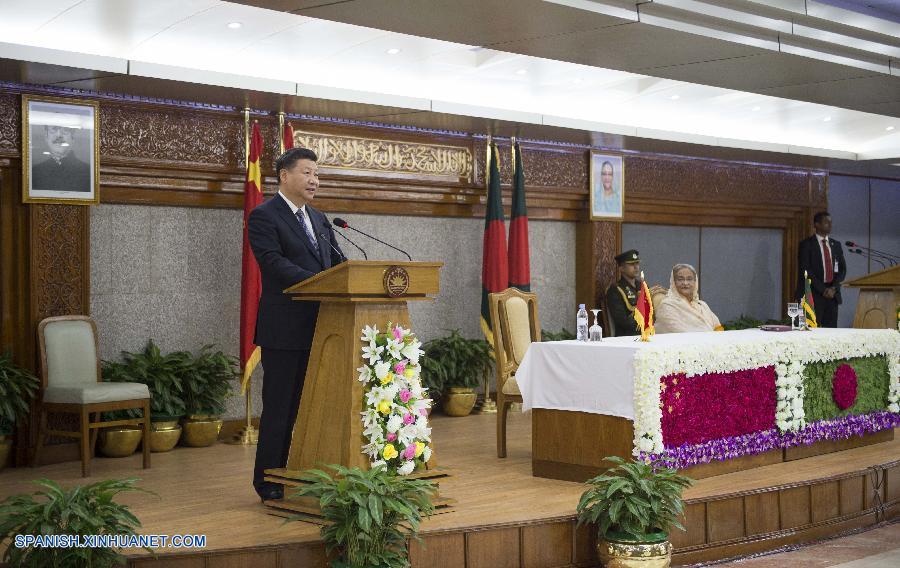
408	419
400	367
405	395
391	436
410	452
398	335
423	412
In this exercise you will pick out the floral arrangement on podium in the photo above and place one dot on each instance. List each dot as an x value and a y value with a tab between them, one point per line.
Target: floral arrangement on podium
694	404
396	406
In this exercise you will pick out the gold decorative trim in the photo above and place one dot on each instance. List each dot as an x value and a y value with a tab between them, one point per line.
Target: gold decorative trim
396	281
384	156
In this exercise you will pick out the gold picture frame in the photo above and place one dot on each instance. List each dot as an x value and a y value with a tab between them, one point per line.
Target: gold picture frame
60	150
607	201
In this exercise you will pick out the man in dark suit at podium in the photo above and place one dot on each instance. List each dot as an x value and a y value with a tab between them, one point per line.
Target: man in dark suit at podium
291	242
822	258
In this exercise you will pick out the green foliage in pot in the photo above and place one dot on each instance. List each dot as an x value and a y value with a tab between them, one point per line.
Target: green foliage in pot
369	514
454	361
208	384
17	390
633	501
561	335
749	322
84	510
163	375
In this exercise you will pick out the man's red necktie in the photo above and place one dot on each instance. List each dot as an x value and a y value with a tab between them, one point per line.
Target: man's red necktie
829	267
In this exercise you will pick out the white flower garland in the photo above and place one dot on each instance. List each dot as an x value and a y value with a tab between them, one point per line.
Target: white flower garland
790	355
395	419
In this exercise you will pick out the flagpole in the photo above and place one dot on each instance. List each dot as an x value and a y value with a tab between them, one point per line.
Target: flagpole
281	131
488	406
248	435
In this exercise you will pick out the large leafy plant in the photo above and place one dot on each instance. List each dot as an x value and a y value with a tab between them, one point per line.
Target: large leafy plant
369	514
561	335
85	510
163	374
208	383
454	361
17	388
634	500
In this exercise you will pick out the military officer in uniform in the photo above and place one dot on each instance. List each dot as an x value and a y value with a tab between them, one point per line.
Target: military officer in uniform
622	296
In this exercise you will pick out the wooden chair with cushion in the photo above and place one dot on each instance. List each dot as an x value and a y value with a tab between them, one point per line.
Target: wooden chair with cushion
514	320
71	383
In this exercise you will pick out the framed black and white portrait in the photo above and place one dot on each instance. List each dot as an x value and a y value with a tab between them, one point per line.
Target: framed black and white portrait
607	187
61	151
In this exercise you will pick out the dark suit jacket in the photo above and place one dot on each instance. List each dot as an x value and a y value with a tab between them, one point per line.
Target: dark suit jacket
70	174
285	257
810	260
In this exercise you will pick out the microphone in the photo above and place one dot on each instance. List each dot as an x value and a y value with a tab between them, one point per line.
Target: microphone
870	257
343	224
873	251
334	248
346	238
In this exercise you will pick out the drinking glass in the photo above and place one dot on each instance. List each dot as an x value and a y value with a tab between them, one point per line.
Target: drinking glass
596	332
793	310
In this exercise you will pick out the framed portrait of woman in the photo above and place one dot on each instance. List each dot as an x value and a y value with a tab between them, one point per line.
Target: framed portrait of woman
61	151
607	187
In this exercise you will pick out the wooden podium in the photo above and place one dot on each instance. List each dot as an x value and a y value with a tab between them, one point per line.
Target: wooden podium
879	296
353	294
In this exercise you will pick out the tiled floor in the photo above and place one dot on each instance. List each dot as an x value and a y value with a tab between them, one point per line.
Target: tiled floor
876	548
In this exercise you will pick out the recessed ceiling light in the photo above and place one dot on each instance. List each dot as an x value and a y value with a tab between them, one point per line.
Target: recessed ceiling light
889	128
755	109
826	119
578	80
675	97
393	51
235	25
521	71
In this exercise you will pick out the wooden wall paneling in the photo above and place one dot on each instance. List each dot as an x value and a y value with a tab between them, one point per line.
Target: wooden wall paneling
794	507
169	562
585	546
762	513
309	556
438	550
491	548
892	484
250	559
725	519
825	501
695	533
852	496
10	125
547	545
874	488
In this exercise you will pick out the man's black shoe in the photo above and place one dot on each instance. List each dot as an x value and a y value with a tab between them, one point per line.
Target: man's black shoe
271	494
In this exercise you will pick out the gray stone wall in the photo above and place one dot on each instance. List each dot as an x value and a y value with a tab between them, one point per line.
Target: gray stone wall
173	274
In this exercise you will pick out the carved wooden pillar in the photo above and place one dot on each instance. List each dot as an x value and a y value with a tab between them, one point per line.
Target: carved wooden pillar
596	245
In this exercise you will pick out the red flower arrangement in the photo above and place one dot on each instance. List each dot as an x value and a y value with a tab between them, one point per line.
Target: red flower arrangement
843	386
716	405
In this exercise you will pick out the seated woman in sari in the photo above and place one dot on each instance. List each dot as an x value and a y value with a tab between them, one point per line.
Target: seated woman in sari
682	309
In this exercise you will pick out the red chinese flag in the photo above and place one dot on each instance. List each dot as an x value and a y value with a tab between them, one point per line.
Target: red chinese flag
251	282
643	311
288	136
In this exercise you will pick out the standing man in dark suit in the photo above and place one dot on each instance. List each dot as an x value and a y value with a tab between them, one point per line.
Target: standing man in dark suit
291	242
822	258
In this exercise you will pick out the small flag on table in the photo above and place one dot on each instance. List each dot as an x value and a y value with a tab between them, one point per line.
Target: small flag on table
809	306
643	311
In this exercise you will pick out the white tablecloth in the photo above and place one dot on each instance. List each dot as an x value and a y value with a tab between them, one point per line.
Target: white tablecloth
599	377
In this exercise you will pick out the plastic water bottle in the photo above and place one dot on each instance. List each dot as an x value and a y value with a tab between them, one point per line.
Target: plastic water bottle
581	324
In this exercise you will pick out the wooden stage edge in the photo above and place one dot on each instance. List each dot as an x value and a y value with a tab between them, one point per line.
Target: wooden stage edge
503	516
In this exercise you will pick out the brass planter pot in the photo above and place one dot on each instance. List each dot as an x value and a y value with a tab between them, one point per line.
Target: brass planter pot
614	554
200	431
119	442
164	435
459	401
5	450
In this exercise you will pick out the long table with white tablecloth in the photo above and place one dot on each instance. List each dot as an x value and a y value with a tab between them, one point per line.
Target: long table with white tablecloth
695	398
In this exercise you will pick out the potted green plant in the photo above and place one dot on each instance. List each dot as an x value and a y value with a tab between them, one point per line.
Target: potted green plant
164	376
80	511
561	335
369	514
455	366
206	388
17	390
632	506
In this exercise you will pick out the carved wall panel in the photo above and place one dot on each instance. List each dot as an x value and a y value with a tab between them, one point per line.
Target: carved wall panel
544	167
714	182
60	272
10	124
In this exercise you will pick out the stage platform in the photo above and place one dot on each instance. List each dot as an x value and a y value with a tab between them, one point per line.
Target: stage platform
503	517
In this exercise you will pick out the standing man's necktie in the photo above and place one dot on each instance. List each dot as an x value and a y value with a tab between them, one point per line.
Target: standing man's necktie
829	267
308	230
